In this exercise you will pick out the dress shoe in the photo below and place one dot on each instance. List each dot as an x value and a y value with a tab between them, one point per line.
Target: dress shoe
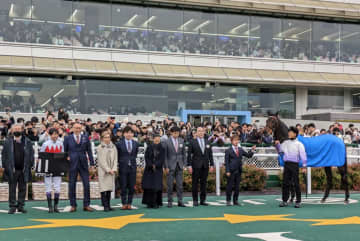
283	204
204	204
196	203
169	205
106	209
297	205
21	210
124	207
236	203
228	203
180	204
88	209
129	207
73	209
12	211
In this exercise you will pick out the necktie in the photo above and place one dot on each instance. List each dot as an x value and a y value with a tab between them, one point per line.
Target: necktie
129	150
237	151
78	139
202	145
129	146
176	145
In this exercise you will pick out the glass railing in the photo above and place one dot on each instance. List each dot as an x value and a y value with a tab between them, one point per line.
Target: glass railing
171	30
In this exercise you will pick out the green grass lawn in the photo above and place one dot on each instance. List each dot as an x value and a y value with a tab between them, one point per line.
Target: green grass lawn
258	218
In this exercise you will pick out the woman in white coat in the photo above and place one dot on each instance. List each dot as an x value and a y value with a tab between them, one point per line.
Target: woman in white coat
107	159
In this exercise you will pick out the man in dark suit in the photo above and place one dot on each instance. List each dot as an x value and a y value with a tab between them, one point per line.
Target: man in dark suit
78	149
174	165
233	165
200	157
127	153
17	160
244	133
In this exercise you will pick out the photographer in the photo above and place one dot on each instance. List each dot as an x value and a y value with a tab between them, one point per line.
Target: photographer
31	132
3	128
217	138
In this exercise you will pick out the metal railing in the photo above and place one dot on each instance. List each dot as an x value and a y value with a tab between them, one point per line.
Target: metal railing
265	158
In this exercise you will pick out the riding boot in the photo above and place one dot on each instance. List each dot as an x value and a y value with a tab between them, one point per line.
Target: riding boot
48	196
56	202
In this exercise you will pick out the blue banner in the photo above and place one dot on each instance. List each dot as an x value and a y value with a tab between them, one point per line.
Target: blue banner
322	151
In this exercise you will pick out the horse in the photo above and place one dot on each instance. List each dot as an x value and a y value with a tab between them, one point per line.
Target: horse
280	132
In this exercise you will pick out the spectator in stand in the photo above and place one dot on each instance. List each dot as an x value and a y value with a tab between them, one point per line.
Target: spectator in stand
266	138
217	138
244	133
254	136
62	115
31	132
323	132
312	131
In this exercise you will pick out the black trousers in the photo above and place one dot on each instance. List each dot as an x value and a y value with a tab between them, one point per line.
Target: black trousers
127	184
233	183
291	176
17	181
292	190
152	197
105	199
199	175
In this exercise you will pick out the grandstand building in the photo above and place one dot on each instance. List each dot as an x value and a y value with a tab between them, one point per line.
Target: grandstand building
299	57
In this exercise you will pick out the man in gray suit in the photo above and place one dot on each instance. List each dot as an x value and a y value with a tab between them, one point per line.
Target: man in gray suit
174	164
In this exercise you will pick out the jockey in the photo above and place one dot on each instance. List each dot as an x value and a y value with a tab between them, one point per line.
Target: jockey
53	145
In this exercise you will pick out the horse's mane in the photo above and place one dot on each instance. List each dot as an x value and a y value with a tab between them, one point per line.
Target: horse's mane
281	132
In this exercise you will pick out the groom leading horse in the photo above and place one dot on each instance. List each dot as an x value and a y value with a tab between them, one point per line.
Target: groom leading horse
322	151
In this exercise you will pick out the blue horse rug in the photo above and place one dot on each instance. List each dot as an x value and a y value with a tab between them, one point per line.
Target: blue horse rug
322	151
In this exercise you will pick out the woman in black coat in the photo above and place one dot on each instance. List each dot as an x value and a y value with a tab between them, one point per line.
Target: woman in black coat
152	182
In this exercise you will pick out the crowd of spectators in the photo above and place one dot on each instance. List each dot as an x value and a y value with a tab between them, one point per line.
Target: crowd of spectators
18	103
218	133
349	135
174	42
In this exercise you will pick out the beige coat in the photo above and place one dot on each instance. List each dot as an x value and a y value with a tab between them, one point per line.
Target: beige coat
107	159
